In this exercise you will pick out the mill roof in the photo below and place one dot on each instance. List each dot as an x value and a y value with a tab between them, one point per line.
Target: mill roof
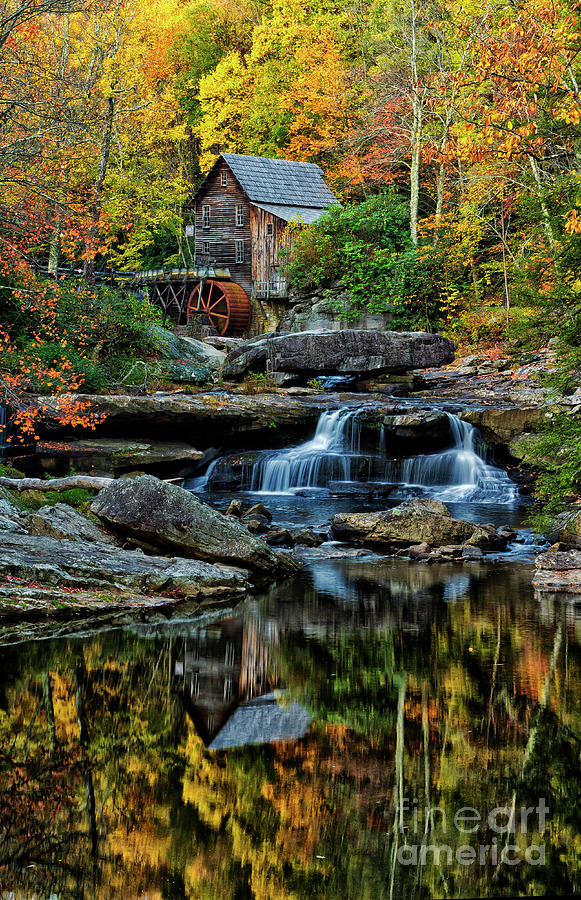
263	720
280	181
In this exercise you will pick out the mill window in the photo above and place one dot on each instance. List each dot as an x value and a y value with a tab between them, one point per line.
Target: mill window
269	229
224	179
206	247
206	216
240	215
239	251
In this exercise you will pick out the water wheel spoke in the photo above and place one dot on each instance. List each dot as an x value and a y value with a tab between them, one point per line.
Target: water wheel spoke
225	305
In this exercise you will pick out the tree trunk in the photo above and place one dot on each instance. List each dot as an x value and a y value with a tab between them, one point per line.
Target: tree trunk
415	171
544	208
87	482
55	246
82	721
93	233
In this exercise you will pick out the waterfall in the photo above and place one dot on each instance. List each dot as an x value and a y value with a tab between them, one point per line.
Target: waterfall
459	473
334	457
326	457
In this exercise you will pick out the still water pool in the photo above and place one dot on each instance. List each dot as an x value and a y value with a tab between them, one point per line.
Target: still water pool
290	748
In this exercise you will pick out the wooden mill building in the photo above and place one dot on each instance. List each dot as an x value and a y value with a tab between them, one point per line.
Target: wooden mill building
238	222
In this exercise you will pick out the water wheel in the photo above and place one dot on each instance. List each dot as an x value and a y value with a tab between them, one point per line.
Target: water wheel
225	304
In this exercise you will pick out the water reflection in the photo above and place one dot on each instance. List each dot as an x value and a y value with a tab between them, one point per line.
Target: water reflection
427	687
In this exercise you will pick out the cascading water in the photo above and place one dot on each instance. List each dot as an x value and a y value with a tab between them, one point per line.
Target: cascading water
325	458
459	473
334	457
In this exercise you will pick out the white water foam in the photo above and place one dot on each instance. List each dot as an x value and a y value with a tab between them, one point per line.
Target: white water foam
333	456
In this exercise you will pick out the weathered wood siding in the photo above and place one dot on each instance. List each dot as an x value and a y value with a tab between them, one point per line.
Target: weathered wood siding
266	258
223	231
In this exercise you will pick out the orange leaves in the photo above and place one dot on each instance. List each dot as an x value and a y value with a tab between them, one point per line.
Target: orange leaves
572	222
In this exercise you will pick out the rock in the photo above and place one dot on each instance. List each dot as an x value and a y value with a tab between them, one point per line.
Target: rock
558	571
418	505
222	343
559	560
62	522
362	353
280	537
418	551
307	537
258	510
571	529
235	509
11	517
96	566
472	553
257	524
202	420
31	601
415	521
428	429
167	516
501	425
319	309
190	360
487	538
115	455
393	385
331	551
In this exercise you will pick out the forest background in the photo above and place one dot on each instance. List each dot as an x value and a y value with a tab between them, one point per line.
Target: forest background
449	131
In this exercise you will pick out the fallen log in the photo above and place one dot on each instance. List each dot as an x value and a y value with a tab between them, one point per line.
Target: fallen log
87	482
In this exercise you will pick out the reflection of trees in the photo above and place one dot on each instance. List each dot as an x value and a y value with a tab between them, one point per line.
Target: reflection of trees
108	790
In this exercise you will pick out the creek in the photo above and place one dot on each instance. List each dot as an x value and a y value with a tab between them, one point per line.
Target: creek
288	748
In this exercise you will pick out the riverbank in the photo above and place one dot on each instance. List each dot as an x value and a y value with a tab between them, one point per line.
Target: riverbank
396	437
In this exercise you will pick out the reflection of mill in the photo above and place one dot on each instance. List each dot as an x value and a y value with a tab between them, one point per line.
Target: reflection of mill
222	666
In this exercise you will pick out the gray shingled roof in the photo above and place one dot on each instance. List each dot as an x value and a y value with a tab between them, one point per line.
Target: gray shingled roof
263	720
280	181
306	214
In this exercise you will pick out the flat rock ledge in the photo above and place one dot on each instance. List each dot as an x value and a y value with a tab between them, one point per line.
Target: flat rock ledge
57	562
558	572
421	526
35	571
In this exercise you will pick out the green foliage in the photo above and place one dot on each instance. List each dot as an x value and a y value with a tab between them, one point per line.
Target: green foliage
368	248
79	498
259	383
557	454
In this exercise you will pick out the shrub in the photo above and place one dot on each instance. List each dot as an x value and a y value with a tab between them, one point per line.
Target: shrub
367	246
557	455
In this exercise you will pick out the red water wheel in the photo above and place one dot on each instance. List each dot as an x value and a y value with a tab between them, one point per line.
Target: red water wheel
225	304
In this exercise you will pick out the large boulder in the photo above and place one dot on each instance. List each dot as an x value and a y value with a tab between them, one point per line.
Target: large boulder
166	516
354	352
413	522
187	359
320	309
